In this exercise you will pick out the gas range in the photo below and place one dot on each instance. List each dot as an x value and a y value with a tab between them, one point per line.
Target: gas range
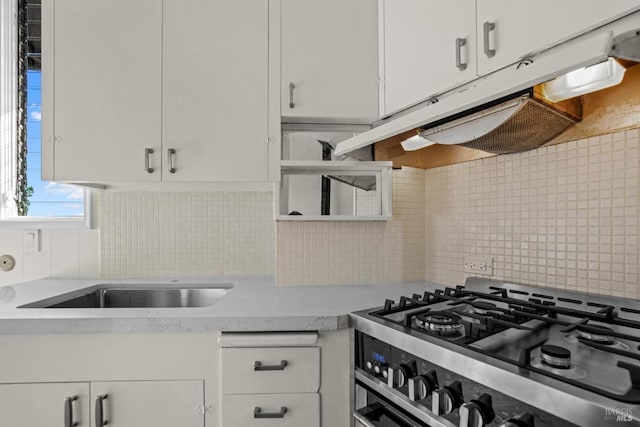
498	354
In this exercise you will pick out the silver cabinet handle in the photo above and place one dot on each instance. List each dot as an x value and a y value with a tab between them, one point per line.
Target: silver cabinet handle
100	421
258	366
487	28
172	157
147	159
68	411
460	43
257	413
291	88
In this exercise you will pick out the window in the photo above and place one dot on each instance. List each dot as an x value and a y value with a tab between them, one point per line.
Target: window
23	195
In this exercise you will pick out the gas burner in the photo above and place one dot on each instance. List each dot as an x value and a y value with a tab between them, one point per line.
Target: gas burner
439	322
602	336
483	307
555	356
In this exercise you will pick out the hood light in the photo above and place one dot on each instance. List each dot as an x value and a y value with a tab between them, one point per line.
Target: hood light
583	81
416	142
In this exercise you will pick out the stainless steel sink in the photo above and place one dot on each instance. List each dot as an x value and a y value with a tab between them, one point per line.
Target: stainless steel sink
137	296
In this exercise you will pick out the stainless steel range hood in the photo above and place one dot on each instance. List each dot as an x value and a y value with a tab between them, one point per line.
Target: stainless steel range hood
471	115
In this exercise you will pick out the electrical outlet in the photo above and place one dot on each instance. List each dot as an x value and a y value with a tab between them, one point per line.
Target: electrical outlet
7	262
477	264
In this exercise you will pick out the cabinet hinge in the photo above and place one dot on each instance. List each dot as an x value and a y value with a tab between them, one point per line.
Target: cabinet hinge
268	140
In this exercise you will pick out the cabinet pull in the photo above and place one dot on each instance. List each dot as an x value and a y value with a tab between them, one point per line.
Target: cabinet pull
100	421
172	157
258	366
459	44
147	159
291	88
68	411
487	28
257	413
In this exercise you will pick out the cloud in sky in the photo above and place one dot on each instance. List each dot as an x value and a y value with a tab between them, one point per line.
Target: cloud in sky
36	115
69	192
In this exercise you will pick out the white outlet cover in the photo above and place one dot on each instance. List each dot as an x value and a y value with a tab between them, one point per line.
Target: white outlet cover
478	264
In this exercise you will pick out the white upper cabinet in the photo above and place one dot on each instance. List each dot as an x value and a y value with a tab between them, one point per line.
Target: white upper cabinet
148	90
107	78
509	30
329	57
215	90
429	47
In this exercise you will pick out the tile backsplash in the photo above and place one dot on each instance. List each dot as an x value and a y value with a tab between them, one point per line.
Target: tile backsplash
151	234
563	216
318	253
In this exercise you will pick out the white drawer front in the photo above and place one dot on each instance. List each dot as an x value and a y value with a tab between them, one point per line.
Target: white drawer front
301	410
300	375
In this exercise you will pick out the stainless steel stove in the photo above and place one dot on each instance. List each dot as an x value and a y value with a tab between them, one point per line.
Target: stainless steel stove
493	353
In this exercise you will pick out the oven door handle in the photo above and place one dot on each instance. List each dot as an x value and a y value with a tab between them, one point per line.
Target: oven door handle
362	419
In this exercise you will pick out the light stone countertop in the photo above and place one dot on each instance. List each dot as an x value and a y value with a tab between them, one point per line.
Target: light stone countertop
253	304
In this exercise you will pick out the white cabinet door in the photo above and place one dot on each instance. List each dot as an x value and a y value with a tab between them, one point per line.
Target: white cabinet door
32	405
522	27
107	78
215	90
330	55
429	47
149	403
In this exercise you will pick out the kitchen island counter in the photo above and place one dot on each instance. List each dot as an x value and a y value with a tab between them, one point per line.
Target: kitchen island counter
253	304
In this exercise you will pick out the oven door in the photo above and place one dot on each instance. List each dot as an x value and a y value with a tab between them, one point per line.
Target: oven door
372	410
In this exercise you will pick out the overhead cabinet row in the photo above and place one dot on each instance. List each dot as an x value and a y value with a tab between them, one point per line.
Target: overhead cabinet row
431	46
196	90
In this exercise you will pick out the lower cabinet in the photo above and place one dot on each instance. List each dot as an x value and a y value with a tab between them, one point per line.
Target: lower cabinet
98	404
29	405
282	410
286	379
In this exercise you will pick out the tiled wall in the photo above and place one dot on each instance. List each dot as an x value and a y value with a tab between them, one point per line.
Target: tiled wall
150	234
564	216
64	253
317	253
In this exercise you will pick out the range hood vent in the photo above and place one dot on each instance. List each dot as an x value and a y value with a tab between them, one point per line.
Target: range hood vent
457	116
518	124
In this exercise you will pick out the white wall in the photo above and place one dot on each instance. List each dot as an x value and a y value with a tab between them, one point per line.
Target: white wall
64	253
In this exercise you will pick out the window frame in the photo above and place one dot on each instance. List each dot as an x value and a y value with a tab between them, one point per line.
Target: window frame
87	221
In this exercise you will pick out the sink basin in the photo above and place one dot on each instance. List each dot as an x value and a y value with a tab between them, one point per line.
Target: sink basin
137	296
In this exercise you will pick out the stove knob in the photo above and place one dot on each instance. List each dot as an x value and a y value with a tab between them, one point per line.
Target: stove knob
446	399
376	369
369	366
477	413
398	374
421	386
524	420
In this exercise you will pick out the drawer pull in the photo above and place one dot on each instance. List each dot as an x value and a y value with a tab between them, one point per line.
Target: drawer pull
257	413
258	366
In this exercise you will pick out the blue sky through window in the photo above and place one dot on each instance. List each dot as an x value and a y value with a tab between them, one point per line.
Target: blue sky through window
48	199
